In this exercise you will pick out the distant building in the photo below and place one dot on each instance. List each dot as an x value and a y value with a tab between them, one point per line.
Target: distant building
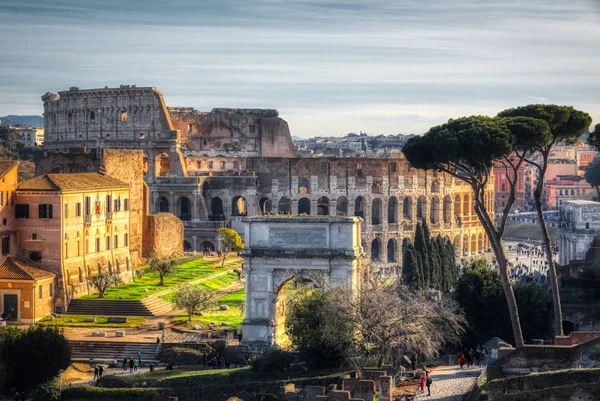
579	222
31	136
567	188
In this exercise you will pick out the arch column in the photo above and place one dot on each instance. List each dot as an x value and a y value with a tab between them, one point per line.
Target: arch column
333	207
151	164
313	206
172	206
294	206
195	243
195	208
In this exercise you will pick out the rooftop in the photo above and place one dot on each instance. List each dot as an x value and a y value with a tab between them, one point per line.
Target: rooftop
71	182
6	166
16	268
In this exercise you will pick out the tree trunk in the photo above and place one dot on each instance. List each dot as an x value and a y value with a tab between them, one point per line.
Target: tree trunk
162	278
498	249
224	256
552	277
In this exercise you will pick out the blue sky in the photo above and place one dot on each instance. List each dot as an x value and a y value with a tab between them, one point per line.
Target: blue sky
329	67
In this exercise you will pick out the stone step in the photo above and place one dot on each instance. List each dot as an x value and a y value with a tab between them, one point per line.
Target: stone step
105	350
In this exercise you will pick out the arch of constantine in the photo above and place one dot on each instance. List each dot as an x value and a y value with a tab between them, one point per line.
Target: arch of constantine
213	169
278	249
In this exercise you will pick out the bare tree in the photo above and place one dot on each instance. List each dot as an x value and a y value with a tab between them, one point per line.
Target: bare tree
193	299
162	266
105	280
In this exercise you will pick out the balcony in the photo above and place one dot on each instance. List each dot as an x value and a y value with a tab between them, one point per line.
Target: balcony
108	217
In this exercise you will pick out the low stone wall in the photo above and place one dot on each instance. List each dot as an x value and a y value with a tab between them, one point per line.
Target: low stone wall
163	235
573	384
577	337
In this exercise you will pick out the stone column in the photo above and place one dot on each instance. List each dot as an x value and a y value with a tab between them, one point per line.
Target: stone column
294	206
195	243
333	207
313	205
195	206
172	206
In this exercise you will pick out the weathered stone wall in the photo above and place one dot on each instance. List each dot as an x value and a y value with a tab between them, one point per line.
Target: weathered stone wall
74	162
163	235
579	222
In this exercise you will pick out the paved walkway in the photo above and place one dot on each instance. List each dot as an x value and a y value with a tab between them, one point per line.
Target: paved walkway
451	383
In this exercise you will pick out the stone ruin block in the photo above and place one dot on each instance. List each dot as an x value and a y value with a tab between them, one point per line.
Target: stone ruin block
374	375
340	395
365	390
332	387
349	384
385	393
310	393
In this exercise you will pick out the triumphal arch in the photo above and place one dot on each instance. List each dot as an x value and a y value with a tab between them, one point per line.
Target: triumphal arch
279	249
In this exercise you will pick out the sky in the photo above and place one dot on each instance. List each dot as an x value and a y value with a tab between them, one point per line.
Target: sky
329	66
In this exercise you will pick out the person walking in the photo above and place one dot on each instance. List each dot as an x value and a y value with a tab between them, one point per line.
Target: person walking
131	365
135	365
140	358
461	360
124	363
423	381
428	382
95	372
100	371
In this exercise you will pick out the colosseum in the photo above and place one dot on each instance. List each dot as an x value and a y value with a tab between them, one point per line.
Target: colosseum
213	168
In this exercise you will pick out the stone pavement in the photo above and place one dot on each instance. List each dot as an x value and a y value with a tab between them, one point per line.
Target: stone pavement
451	383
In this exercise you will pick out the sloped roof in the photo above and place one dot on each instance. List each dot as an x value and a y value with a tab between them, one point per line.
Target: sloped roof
496	343
71	182
16	268
6	165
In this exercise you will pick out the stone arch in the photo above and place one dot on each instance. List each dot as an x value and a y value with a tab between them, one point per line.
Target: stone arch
457	206
67	277
184	207
303	206
434	213
392	210
359	206
207	246
447	209
238	206
163	165
216	207
341	206
323	206
466	245
375	250
127	264
265	205
435	186
187	247
392	247
473	244
162	205
80	274
480	243
376	212
284	206
407	206
99	268
466	209
421	207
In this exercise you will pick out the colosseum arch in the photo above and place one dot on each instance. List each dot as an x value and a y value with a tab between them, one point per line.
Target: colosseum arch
265	205
303	206
447	209
457	206
184	206
392	210
238	206
376	212
456	243
421	207
466	209
323	206
466	245
162	205
474	249
207	246
187	246
434	213
216	207
163	165
435	186
405	244
407	206
359	207
341	206
375	250
392	248
284	206
480	243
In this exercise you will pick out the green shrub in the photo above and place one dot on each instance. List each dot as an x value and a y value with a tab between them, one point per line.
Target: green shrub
47	391
274	361
98	393
181	356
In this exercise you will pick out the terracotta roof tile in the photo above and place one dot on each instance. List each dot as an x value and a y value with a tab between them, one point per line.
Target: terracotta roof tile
71	182
16	268
6	165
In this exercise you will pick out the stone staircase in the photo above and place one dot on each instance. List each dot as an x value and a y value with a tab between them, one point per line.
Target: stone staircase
148	307
107	351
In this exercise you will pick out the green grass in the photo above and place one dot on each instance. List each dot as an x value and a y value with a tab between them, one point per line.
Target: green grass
234	315
187	271
235	297
213	284
519	230
101	321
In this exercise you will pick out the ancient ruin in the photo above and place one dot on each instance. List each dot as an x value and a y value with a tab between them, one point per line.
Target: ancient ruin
212	169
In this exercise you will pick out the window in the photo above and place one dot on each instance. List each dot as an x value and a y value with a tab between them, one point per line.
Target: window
123	116
572	192
45	211
126	204
41	292
107	243
210	164
1	199
97	244
393	167
560	193
70	117
116	241
66	214
198	164
87	245
222	165
4	222
92	117
116	205
359	171
51	290
34	236
78	209
126	239
88	206
108	205
236	165
252	128
503	187
142	135
587	226
5	245
22	211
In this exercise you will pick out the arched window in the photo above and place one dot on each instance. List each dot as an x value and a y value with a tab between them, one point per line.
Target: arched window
162	204
187	247
162	165
110	270
184	205
375	250
80	275
359	206
341	207
407	206
304	206
392	210
99	268
391	251
376	212
421	207
323	206
238	206
265	205
435	210
284	206
117	265
447	209
216	207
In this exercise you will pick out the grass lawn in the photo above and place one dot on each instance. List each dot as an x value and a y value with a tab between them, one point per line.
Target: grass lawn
234	315
187	271
101	321
213	284
519	230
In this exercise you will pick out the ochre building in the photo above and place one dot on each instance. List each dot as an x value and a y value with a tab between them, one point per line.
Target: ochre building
213	168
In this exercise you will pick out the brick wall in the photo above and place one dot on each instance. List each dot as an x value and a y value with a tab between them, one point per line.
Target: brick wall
163	234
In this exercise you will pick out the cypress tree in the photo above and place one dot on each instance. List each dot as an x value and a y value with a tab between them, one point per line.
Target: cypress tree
443	261
419	277
452	266
410	265
421	247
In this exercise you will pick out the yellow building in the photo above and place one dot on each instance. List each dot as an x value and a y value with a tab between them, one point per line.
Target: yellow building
9	171
76	225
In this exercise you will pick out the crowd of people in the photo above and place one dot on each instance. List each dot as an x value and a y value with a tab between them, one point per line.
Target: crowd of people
474	356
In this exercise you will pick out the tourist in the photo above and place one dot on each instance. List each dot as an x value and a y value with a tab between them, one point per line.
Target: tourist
124	363
423	381
151	367
95	372
428	382
461	360
131	365
135	365
140	359
100	371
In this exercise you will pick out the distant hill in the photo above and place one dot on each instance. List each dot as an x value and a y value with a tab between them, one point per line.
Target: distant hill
34	121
